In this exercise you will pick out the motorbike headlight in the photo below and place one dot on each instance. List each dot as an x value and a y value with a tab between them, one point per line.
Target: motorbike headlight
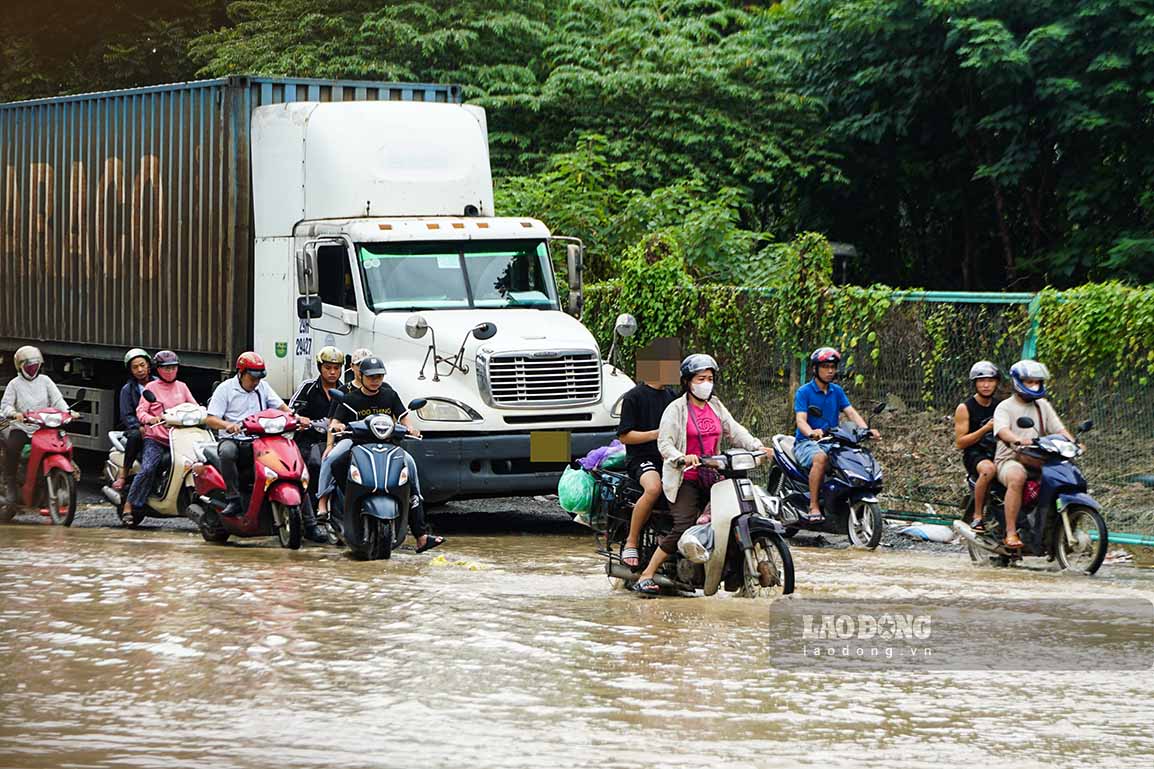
52	420
305	477
190	420
355	474
273	425
269	473
382	426
445	410
742	461
403	478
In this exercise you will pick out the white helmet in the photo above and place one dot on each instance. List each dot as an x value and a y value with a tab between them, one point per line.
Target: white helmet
984	369
28	361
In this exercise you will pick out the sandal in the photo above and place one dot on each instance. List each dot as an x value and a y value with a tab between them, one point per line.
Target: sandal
978	526
630	557
647	587
809	517
1013	541
431	542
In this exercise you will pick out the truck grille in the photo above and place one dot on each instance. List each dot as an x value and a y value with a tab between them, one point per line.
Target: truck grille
528	379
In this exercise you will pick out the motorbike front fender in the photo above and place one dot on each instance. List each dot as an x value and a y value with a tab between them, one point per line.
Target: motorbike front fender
1078	498
757	524
57	462
380	506
287	494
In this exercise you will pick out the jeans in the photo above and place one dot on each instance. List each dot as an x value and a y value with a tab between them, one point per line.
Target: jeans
143	481
804	450
336	467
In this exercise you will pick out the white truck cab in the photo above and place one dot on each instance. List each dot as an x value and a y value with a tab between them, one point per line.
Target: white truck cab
375	228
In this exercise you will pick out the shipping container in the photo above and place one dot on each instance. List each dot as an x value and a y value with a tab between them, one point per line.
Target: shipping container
126	216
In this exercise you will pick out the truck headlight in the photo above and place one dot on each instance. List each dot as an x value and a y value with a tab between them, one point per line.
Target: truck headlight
446	410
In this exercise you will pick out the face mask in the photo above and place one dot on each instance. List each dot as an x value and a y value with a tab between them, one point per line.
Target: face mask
167	373
701	390
30	371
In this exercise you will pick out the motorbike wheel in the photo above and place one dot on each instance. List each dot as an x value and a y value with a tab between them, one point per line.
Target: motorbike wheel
774	570
288	525
864	524
1089	550
208	523
378	539
61	496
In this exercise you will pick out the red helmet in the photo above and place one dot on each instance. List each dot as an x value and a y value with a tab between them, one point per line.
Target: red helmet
252	363
825	355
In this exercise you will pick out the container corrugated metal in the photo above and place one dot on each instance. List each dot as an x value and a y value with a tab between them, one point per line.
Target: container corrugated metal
126	216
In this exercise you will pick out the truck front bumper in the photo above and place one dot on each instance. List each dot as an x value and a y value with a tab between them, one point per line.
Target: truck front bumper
492	465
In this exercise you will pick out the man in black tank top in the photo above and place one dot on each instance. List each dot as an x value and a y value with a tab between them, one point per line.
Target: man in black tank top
974	433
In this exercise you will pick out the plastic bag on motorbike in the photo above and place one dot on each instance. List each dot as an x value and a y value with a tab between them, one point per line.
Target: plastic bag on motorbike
575	491
696	543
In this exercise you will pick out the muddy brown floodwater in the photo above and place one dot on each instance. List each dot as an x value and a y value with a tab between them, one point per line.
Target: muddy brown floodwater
153	649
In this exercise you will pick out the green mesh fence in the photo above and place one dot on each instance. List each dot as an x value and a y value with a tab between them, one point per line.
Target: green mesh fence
919	364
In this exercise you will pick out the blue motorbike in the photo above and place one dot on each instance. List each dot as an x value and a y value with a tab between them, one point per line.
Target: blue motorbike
849	492
370	513
1064	523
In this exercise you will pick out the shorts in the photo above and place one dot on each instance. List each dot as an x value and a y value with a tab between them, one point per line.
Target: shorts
1005	467
804	450
971	459
639	467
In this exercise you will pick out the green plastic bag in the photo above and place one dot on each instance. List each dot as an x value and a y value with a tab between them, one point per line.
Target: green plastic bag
575	491
614	461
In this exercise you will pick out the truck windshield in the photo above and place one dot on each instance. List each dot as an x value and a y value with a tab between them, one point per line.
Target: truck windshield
466	274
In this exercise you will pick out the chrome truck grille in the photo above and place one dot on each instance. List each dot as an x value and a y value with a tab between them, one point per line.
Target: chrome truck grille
540	378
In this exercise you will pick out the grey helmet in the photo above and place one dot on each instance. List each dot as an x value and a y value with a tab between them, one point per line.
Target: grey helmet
984	369
135	353
698	362
1029	369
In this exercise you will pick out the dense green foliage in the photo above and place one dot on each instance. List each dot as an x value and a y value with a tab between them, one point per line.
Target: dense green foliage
955	143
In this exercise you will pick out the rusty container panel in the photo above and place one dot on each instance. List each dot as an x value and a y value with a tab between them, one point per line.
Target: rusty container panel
126	216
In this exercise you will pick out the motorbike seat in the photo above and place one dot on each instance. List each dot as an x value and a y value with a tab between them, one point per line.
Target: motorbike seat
784	444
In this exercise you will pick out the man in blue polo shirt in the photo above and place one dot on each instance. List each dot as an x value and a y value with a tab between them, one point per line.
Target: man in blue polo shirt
831	399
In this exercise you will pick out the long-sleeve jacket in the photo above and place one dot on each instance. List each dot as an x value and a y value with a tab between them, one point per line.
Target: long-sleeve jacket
20	395
671	437
168	394
127	402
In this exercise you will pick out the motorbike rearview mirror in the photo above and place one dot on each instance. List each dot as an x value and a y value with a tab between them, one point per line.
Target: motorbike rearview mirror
1086	426
309	307
880	407
81	394
814	411
416	404
416	326
483	331
1025	423
149	396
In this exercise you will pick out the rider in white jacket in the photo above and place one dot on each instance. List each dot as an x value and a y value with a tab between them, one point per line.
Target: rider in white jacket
27	392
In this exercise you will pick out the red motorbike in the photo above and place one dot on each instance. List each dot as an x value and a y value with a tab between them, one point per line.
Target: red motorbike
50	475
280	479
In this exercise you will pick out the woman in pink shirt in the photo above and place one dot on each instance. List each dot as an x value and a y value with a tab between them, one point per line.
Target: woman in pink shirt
169	393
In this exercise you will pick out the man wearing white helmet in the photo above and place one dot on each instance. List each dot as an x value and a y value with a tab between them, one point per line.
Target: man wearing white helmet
28	391
358	355
1029	380
974	433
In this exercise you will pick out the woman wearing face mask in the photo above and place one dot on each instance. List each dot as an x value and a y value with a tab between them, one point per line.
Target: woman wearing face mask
169	392
691	427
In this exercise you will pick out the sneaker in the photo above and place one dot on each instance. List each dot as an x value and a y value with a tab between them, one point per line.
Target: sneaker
316	533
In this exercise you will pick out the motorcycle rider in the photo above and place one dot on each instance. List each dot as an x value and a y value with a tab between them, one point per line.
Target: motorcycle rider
691	427
974	433
138	362
374	397
828	396
169	392
641	410
29	391
1029	400
312	399
353	375
232	402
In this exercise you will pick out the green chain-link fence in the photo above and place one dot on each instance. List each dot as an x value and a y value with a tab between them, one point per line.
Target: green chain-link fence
918	360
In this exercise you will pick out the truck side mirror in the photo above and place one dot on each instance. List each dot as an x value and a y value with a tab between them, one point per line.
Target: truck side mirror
625	326
1025	423
309	306
575	261
416	326
307	280
484	331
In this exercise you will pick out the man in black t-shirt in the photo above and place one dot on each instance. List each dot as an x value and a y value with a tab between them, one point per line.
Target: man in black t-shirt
641	411
374	397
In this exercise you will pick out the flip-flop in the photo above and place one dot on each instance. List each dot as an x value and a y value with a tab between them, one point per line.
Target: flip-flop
1014	542
811	518
647	587
978	526
630	557
431	542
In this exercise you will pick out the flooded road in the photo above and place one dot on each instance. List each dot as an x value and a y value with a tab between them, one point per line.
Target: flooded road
153	649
